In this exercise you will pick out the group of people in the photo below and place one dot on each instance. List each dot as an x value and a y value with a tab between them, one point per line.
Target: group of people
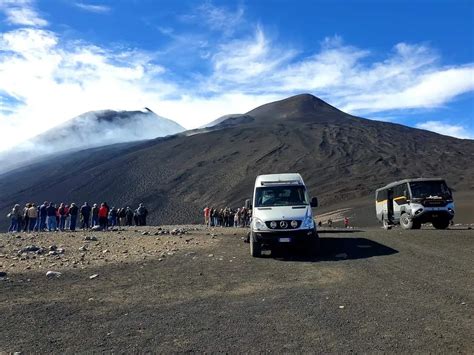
49	217
226	217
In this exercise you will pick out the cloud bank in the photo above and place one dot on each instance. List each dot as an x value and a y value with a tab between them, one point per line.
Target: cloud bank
46	78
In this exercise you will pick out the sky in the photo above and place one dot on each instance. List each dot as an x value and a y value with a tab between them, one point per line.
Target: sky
408	61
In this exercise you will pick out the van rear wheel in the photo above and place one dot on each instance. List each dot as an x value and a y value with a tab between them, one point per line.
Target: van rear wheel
405	221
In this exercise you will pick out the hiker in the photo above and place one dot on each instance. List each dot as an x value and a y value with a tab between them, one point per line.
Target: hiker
51	217
330	222
121	217
103	214
207	211
15	218
25	220
85	215
346	222
95	215
42	216
129	216
142	213
62	216
73	210
32	214
113	217
136	220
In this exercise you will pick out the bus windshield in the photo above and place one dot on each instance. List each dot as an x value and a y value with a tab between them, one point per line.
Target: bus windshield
269	196
423	189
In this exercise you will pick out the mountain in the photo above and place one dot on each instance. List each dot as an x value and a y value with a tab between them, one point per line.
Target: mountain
342	158
91	129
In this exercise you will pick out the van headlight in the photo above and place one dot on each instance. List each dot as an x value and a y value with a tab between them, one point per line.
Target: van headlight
294	224
259	225
308	222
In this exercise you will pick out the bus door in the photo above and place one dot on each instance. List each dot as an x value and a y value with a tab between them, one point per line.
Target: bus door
390	205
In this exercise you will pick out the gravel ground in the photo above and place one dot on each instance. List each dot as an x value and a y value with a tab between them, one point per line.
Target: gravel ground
369	291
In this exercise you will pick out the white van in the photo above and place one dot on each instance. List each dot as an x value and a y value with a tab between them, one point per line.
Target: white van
281	213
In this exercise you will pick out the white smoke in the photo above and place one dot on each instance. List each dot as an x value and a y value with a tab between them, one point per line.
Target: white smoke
92	129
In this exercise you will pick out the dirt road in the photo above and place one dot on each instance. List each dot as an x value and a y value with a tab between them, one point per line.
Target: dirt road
370	291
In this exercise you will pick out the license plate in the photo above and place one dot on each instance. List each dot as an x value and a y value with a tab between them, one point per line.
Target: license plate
284	240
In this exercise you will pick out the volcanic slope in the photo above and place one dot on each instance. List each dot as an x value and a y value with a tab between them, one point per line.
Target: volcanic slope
341	157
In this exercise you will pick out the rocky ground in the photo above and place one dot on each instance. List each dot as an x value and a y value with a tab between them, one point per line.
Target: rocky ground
187	288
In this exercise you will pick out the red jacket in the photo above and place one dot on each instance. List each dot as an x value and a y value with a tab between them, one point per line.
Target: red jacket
103	212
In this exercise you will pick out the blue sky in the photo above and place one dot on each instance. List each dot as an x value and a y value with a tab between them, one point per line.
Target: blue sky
409	62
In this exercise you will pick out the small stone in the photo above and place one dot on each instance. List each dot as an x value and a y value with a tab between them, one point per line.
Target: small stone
83	248
53	247
53	274
210	255
93	276
342	307
90	299
145	233
105	251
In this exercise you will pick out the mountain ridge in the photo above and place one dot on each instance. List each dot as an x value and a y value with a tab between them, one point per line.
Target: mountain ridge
342	161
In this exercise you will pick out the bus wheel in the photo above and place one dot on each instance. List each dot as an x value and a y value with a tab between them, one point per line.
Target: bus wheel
405	221
386	225
440	223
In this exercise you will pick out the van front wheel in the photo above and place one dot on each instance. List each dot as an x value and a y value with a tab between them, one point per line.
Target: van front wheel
255	247
405	221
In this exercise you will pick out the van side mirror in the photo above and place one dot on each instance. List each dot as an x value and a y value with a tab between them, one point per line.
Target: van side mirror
314	202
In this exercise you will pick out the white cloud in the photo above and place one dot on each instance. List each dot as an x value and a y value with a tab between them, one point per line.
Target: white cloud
216	18
46	79
446	129
22	12
98	9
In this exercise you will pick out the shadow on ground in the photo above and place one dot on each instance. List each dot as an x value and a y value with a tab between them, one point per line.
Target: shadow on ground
334	249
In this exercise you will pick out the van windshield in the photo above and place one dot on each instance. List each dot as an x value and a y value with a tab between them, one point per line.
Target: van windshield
423	189
269	196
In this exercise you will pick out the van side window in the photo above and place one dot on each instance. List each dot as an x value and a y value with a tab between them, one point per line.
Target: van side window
381	195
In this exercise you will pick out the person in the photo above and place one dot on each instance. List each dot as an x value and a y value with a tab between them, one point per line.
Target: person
103	214
26	219
121	217
236	218
136	219
113	217
42	216
142	214
129	216
67	225
207	211
15	218
329	222
346	222
32	217
51	217
85	215
62	216
73	211
320	224
95	215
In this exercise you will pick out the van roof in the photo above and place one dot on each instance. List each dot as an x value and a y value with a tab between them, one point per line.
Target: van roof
288	178
395	183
